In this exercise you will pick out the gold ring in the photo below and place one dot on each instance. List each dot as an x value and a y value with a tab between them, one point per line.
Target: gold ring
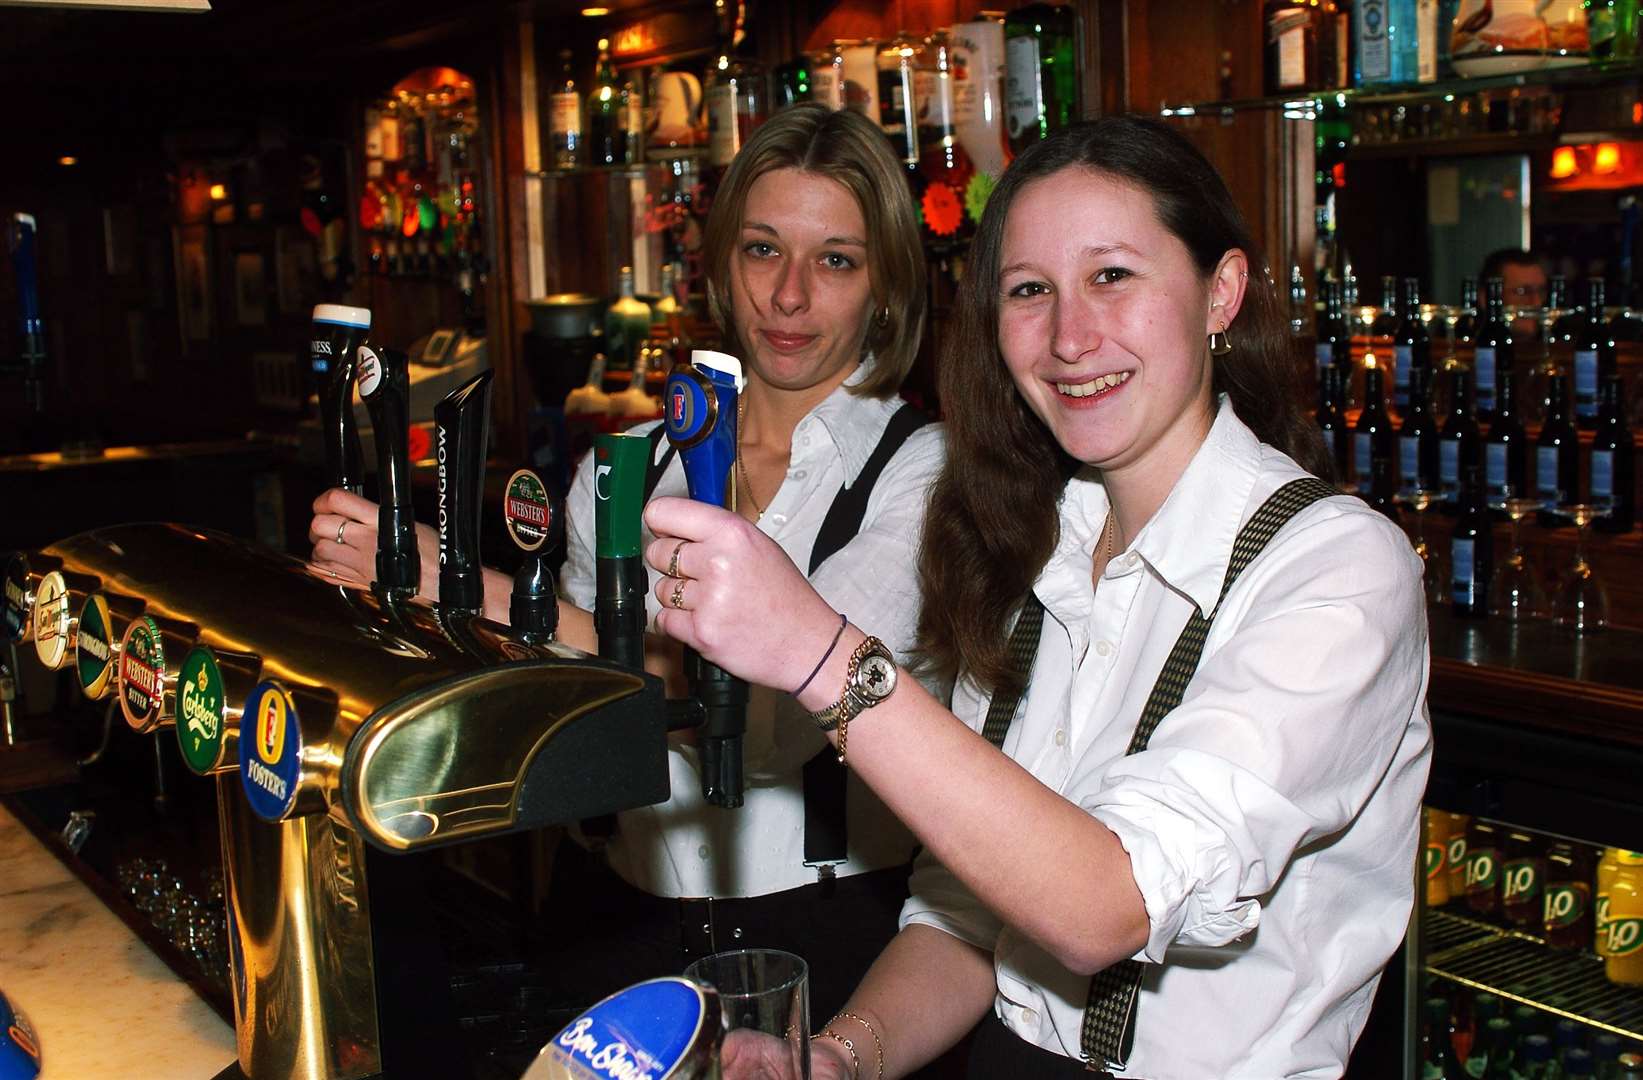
343	524
673	563
678	597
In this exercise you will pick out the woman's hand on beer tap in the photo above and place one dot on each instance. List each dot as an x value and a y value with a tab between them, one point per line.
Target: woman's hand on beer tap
738	599
344	534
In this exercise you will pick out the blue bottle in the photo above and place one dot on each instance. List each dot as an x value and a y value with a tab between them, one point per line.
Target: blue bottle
1396	42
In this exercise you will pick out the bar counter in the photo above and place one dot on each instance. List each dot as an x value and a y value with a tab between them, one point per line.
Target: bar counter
102	1003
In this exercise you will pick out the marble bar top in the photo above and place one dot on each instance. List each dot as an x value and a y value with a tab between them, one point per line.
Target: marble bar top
102	1004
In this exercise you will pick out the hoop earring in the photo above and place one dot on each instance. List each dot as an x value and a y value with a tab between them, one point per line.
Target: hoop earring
1219	343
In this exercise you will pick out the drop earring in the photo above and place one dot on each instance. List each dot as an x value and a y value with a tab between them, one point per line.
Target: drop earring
1219	343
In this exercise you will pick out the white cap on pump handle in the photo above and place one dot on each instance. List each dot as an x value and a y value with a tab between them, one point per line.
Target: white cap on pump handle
343	315
719	361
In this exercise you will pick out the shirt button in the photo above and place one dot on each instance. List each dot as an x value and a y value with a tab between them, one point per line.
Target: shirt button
1060	738
1102	648
701	852
798	474
780	519
1029	1017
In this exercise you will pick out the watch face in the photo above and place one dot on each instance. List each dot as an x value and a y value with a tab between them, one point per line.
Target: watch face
877	678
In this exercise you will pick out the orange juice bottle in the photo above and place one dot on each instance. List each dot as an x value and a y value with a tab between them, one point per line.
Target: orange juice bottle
1435	856
1607	867
1456	862
1623	962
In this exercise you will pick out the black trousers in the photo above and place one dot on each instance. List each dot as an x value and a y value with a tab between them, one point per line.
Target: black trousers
607	935
997	1053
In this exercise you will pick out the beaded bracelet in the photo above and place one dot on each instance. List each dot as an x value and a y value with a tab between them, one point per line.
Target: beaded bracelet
844	1042
877	1045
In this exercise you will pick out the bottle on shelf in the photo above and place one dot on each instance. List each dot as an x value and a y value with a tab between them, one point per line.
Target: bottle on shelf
1623	944
1566	911
1483	871
978	98
790	83
1499	1045
1459	445
1334	346
1559	322
1411	347
1307	46
1611	29
606	137
943	165
1594	358
1041	72
1434	853
1493	350
627	324
1437	1051
636	403
1557	460
1608	868
1506	449
859	70
1331	420
1418	438
668	311
1466	318
590	398
1471	560
898	61
1396	42
1613	480
1523	873
1385	326
633	122
1459	826
565	116
737	91
827	76
1372	438
1536	1052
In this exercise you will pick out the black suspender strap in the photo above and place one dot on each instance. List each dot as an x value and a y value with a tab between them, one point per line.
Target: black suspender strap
656	467
1022	651
1108	1032
826	840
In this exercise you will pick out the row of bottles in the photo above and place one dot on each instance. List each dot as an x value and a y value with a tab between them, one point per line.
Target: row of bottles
419	210
956	104
1316	45
1468	1034
1570	895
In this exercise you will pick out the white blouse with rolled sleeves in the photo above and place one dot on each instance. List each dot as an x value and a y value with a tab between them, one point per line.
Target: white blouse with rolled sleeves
685	847
1272	822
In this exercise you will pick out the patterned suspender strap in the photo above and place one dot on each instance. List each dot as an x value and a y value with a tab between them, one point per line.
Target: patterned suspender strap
1108	1032
1022	651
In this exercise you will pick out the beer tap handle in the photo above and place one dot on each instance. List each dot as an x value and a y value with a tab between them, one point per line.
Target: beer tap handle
462	428
619	616
700	406
338	332
535	521
384	383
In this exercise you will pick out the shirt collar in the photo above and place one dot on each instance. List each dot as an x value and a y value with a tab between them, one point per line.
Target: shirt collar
855	430
1188	542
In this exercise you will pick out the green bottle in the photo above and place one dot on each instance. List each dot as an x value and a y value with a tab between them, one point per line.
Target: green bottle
1041	72
1612	28
627	325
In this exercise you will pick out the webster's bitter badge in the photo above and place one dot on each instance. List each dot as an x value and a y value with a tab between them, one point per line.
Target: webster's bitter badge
526	512
200	710
142	659
51	620
19	1048
270	751
663	1029
16	620
93	647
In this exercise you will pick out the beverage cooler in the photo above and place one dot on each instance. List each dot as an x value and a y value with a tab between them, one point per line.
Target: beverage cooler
1525	957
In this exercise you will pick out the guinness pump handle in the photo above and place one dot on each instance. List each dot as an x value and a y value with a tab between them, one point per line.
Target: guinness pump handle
384	384
462	428
338	331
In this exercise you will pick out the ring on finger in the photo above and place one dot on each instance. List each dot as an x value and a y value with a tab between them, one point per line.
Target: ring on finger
673	563
341	525
677	600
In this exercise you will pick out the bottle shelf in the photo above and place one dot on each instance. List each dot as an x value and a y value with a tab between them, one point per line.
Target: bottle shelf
1521	967
1306	105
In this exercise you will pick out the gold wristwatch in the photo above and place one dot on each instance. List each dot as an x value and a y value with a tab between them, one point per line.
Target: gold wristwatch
870	679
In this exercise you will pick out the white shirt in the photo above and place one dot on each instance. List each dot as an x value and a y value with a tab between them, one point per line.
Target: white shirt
1271	823
685	847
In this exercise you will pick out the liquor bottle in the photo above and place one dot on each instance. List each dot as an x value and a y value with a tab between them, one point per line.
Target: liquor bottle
1557	461
1523	879
636	402
606	139
1471	558
1418	438
1483	867
1466	323
1385	326
668	311
1611	28
1397	42
827	76
1506	449
1566	910
1332	420
565	117
590	398
633	122
737	93
1292	40
1041	72
1613	483
1410	345
1383	486
1594	358
1561	322
1437	1053
1493	351
859	72
943	164
978	97
1460	444
898	60
627	324
1334	347
1372	437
